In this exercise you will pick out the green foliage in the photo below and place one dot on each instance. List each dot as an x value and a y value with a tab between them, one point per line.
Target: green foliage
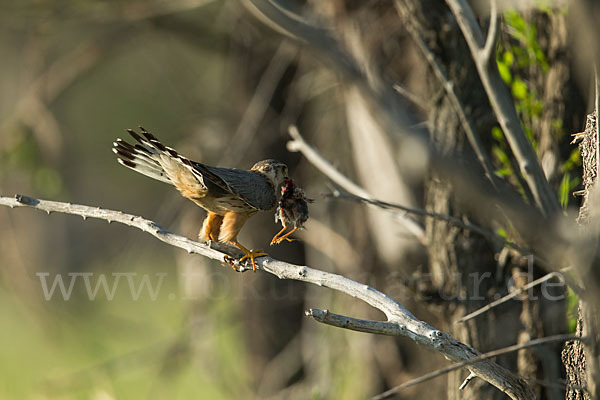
529	51
522	51
518	57
501	151
573	161
25	155
567	185
572	310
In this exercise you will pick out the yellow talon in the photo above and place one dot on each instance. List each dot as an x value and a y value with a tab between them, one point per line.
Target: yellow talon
251	254
275	239
229	261
285	237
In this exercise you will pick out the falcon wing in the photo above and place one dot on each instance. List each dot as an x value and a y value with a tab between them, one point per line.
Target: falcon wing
252	187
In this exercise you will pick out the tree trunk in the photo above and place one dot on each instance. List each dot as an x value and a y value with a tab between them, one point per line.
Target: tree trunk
463	267
581	362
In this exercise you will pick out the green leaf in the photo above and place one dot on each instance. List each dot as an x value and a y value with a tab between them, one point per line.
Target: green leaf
504	71
497	134
519	89
563	191
572	310
508	58
504	172
501	156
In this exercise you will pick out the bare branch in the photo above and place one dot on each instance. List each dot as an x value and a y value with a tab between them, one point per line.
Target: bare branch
504	108
298	144
467	380
407	324
448	86
355	324
418	211
359	194
442	371
114	216
509	296
490	41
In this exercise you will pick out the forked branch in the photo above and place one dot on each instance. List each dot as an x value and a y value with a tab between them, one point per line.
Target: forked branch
400	322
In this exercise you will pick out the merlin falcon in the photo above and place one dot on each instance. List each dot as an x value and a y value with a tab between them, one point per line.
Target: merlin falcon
229	195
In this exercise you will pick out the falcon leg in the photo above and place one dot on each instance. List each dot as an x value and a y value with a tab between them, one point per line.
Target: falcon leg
211	227
232	223
285	237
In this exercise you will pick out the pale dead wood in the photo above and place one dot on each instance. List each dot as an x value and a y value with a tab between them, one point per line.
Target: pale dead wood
400	322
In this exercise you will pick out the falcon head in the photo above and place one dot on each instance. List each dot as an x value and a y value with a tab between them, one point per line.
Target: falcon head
275	170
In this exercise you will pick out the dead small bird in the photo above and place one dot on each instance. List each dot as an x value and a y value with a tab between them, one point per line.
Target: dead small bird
292	210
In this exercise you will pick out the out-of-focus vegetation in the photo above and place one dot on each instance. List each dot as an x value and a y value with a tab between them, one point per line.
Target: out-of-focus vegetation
74	75
213	82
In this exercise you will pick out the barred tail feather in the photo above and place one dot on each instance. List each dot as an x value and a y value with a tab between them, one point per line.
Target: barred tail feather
144	157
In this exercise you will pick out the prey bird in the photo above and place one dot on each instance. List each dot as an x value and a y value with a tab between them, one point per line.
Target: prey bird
292	210
229	195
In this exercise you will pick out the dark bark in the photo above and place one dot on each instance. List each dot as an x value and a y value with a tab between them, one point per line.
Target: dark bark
462	265
581	362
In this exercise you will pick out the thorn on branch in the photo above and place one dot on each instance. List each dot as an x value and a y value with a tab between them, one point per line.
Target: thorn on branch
467	380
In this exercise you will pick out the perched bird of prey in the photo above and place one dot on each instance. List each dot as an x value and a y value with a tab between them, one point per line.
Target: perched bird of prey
229	195
292	210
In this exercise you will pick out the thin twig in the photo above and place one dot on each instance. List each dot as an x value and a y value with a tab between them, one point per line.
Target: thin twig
399	318
359	194
419	211
299	144
353	324
410	96
511	295
442	371
504	107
